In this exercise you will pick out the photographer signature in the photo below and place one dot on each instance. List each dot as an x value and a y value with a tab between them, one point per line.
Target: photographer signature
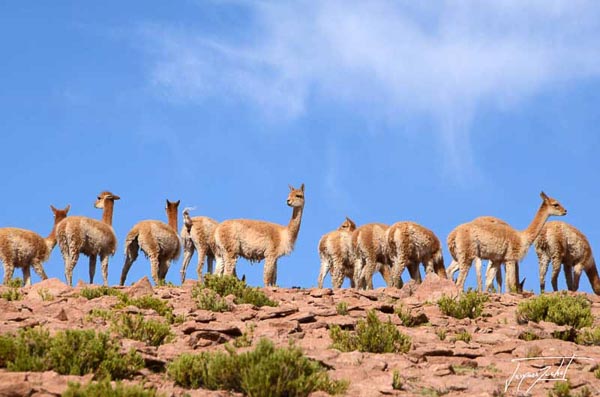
545	373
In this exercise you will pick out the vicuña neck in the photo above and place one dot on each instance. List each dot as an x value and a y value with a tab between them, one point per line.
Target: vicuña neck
529	235
51	239
107	214
172	216
294	225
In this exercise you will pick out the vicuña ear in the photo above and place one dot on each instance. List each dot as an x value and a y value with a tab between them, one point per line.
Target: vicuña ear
177	202
302	187
291	187
114	197
53	209
544	196
68	207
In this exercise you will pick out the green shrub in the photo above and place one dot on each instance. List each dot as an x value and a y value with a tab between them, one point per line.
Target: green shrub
561	309
589	337
245	340
149	302
441	333
371	335
465	336
469	304
396	380
45	295
560	389
153	332
528	336
408	320
96	292
342	308
16	282
105	389
210	300
104	314
230	285
597	373
265	371
70	352
12	294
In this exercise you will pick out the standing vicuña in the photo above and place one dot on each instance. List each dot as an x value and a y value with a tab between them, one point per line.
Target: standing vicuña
370	254
565	244
257	240
80	234
24	248
501	243
197	233
493	269
409	243
335	251
157	240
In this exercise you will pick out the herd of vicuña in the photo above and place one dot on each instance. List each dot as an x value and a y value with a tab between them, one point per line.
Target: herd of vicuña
352	252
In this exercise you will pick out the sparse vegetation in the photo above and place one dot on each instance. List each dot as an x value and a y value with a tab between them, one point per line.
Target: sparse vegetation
265	371
70	352
16	282
408	320
441	333
371	335
597	373
469	304
96	292
528	336
13	293
589	337
464	336
104	388
342	308
559	308
396	380
209	300
533	351
230	285
152	332
45	295
245	340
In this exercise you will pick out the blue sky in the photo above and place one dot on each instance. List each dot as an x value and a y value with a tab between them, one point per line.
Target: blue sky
387	111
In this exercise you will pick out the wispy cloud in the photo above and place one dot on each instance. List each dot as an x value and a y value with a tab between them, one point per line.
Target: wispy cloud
385	59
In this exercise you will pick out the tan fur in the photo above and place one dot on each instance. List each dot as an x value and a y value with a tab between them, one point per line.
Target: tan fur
370	254
80	234
409	243
24	249
257	240
197	234
335	251
501	243
159	242
492	270
564	244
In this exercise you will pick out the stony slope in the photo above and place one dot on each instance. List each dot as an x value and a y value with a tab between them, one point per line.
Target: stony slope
478	368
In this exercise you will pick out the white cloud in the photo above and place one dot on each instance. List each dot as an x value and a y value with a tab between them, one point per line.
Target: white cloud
444	59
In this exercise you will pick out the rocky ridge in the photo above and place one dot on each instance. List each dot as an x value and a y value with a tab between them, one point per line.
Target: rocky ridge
437	364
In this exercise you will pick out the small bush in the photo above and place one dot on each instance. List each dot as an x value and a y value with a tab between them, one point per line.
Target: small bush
104	388
266	371
597	373
408	320
210	300
589	337
528	336
16	282
463	336
12	294
45	295
560	389
396	381
70	352
153	332
230	285
96	292
441	333
371	335
533	351
245	340
468	305
561	309
342	308
104	314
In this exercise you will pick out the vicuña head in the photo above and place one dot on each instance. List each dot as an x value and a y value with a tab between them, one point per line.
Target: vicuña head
103	197
348	225
296	197
555	208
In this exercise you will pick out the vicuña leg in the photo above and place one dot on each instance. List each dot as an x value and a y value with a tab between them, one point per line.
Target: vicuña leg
200	264
38	267
544	261
26	275
104	269
556	263
269	275
92	268
188	251
131	254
